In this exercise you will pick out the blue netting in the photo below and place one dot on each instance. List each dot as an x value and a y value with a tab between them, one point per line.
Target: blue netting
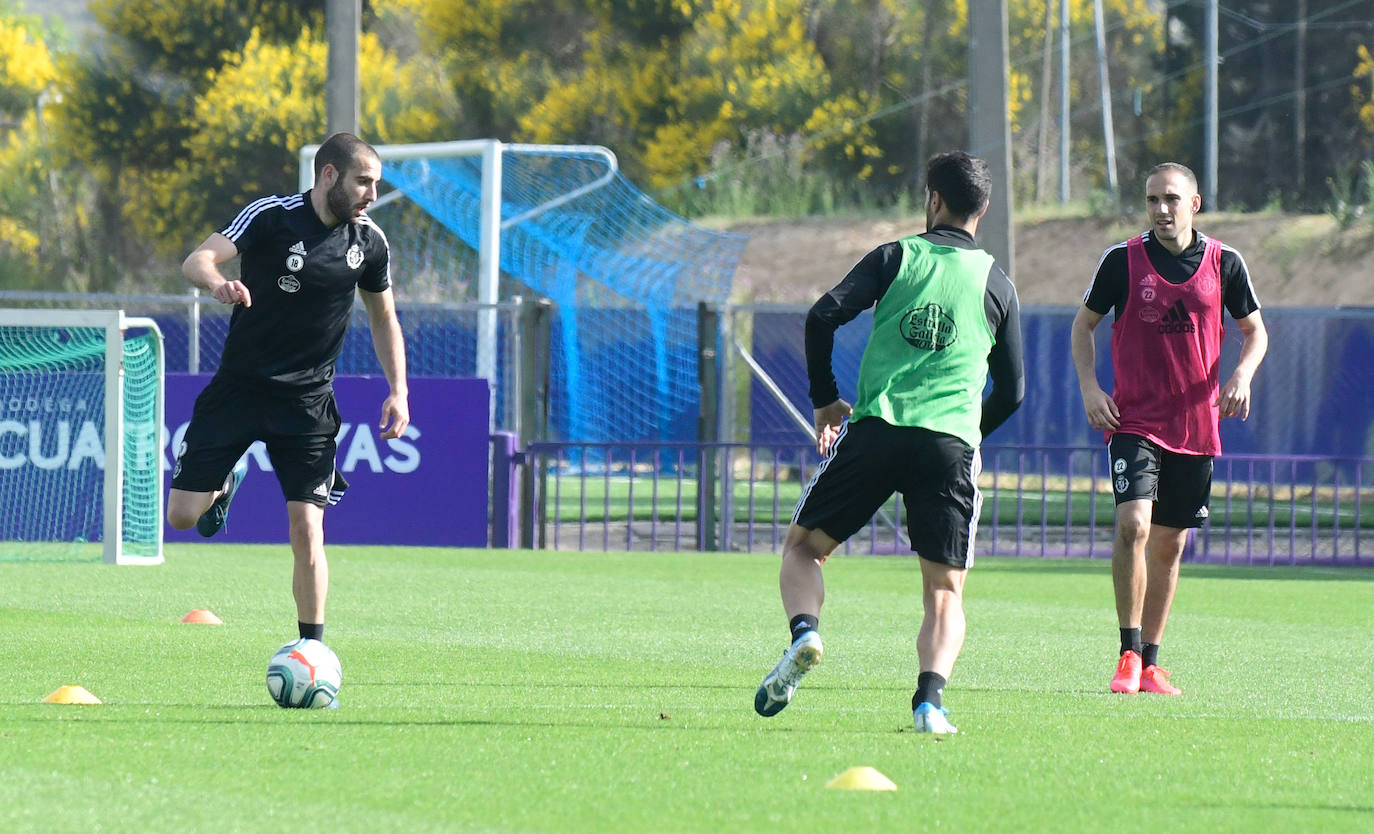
631	375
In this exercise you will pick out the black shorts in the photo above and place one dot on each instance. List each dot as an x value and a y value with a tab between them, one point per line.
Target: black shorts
1179	485
936	474
298	429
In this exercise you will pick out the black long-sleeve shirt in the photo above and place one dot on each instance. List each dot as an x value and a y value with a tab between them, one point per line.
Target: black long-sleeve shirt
1112	281
870	279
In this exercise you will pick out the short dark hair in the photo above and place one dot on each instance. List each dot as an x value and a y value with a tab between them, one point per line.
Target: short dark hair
961	180
1176	167
340	150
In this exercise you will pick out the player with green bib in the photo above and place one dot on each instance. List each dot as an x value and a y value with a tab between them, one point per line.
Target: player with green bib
946	317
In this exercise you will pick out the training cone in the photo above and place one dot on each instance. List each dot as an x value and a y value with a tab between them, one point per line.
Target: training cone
861	779
71	695
203	617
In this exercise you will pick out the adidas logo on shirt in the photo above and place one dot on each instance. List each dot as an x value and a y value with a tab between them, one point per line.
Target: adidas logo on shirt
298	248
1177	320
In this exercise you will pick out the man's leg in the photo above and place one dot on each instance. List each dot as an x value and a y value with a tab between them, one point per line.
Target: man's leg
1164	553
184	508
803	592
800	579
1129	582
1129	575
938	643
310	576
942	628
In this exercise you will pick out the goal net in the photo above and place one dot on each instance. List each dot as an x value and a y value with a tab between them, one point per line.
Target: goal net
81	413
482	221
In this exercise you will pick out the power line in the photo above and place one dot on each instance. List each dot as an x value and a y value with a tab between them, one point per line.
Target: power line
1268	32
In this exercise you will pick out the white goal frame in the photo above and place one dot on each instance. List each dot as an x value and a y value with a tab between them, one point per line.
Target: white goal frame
114	323
491	224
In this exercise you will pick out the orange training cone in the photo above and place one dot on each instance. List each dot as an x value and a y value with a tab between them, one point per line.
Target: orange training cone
202	616
71	695
861	779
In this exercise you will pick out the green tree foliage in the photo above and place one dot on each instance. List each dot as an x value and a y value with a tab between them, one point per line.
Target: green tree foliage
187	39
30	227
258	107
184	110
1263	156
26	66
697	96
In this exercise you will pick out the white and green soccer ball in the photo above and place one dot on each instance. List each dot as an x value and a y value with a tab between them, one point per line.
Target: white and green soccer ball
304	674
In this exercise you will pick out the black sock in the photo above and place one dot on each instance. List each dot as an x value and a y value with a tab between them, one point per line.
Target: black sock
1149	654
928	688
802	623
1130	640
311	631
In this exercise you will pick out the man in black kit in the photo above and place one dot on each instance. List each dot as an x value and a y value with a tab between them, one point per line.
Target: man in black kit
303	256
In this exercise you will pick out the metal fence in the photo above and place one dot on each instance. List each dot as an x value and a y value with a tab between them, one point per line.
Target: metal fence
1037	501
1314	393
441	338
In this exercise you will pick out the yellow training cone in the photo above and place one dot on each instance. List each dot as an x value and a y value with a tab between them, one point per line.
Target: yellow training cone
202	616
71	695
861	779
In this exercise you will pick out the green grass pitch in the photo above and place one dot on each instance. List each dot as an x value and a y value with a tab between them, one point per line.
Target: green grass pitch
514	691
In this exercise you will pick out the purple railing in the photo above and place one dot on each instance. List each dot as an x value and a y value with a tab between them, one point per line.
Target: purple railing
1038	501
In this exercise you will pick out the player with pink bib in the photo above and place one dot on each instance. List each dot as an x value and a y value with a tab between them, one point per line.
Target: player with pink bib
1168	287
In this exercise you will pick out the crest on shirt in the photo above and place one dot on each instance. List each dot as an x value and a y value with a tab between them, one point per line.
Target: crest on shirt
354	256
181	450
929	328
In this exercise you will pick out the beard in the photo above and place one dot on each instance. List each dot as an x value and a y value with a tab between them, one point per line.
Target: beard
337	201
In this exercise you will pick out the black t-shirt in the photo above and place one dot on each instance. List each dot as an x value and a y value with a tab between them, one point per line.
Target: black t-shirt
869	280
1112	281
301	275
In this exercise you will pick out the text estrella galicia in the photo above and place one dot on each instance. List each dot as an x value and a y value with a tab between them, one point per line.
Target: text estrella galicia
929	328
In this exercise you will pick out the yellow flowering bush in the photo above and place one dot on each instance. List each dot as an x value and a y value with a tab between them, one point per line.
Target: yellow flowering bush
259	108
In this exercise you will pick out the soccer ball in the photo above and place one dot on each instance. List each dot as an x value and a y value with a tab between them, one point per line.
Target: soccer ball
304	673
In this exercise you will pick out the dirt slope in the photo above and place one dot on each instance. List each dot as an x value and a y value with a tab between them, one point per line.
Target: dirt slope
1295	261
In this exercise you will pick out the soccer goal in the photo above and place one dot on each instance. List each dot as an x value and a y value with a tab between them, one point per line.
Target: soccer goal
626	275
81	414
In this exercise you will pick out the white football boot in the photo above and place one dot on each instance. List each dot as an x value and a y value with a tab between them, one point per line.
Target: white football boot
776	690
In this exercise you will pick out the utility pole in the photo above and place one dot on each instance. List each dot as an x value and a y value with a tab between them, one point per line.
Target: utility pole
923	121
1105	92
1300	102
1063	101
1209	139
342	21
989	125
1042	139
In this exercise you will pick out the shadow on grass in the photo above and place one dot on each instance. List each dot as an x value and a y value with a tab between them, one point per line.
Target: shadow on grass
1102	567
617	720
1294	806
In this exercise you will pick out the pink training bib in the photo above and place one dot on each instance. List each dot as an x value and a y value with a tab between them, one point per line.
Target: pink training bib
1166	354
